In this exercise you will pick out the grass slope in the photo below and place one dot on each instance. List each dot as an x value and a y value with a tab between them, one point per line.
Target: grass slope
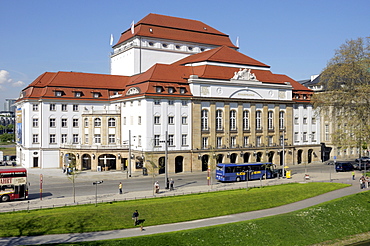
330	221
117	215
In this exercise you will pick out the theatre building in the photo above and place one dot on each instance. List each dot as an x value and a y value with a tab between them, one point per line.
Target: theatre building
178	88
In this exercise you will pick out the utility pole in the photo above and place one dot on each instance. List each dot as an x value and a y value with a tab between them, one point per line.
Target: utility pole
129	154
165	159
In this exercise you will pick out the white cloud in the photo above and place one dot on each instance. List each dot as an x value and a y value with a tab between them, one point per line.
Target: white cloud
6	79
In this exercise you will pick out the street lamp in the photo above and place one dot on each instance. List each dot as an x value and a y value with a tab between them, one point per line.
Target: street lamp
165	160
284	152
96	191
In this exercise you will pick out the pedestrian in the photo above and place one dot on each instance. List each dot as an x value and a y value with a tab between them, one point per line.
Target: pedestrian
362	182
156	187
171	184
135	217
120	187
353	175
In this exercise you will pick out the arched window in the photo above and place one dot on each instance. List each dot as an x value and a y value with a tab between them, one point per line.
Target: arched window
204	119
232	120
111	122
245	120
270	120
219	120
97	122
281	120
258	120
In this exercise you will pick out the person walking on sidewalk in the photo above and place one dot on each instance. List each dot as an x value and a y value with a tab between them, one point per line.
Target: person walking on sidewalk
120	187
353	175
171	184
135	217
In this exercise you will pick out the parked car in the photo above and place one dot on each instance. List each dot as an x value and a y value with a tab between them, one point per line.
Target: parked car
363	159
343	166
362	166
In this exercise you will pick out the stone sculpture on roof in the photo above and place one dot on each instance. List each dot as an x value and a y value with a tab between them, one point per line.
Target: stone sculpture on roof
244	74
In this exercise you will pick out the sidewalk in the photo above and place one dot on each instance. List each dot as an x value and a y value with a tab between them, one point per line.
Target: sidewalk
93	236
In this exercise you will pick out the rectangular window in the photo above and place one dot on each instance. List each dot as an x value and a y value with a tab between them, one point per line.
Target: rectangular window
35	122
64	122
64	107
326	132
35	107
296	137
305	120
86	120
52	107
75	138
157	102
270	140
313	121
184	103
52	122
75	122
184	120
219	142
270	120
313	136
156	120
258	141
184	138
170	102
170	140
296	121
258	120
86	138
75	107
124	121
97	138
52	139
156	140
204	142
245	141
35	138
64	138
111	138
232	142
139	120
139	140
305	137
171	120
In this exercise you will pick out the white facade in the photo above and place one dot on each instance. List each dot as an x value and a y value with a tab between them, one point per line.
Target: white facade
138	54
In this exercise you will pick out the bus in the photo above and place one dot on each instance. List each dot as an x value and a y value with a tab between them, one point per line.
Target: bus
13	184
244	171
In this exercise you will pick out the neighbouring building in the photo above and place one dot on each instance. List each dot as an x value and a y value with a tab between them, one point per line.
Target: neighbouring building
178	87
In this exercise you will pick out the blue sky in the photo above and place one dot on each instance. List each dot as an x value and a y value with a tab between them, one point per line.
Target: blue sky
295	38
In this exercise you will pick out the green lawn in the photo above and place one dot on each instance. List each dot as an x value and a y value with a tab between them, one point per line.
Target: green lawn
329	222
117	215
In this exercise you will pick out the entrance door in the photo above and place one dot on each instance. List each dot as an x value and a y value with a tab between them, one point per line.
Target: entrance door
35	162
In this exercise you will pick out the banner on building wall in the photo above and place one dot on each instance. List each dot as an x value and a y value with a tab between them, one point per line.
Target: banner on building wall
18	122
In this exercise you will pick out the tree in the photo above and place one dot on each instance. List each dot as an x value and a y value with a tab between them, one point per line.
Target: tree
345	99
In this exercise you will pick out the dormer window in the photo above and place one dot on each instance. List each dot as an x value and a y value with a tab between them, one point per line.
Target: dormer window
96	94
182	90
190	48
171	90
177	46
78	94
158	89
151	43
58	93
164	45
296	96
304	97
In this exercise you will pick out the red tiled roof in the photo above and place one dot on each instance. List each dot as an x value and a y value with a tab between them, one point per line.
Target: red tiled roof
221	54
174	28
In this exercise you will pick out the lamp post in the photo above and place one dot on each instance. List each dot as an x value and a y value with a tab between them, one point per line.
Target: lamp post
129	154
284	152
96	191
165	159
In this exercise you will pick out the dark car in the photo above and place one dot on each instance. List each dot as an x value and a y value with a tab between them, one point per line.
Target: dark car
363	159
362	166
343	166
